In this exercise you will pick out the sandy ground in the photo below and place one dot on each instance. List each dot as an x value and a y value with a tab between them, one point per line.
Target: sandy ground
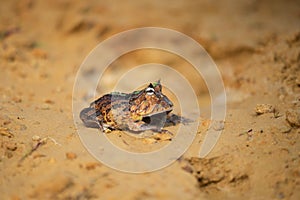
256	45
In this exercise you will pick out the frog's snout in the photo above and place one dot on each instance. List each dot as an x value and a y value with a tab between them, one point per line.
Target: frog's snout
169	102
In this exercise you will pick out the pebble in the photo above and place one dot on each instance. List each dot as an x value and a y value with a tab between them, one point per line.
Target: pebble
49	101
188	169
5	132
71	155
92	165
36	138
39	156
293	117
285	128
264	108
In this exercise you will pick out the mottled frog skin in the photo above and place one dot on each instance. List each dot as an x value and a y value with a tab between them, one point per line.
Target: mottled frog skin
141	110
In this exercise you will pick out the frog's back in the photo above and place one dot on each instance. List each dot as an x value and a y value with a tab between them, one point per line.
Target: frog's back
109	111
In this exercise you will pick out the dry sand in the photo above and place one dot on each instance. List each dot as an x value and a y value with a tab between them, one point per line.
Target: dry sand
256	45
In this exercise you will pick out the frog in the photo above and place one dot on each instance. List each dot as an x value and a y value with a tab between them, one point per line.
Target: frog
141	110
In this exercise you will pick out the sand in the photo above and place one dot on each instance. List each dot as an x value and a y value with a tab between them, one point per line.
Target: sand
256	46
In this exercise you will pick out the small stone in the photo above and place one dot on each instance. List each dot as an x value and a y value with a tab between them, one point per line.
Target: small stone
293	117
36	138
5	132
38	156
164	136
285	127
71	155
49	101
188	169
264	108
92	165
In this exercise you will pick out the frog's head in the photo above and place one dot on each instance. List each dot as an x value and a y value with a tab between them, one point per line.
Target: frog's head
150	101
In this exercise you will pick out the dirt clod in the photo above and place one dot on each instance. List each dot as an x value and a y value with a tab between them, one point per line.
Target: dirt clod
5	132
214	171
92	165
264	108
71	155
293	117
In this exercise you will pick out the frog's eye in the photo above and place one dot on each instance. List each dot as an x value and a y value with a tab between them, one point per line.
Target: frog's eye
150	91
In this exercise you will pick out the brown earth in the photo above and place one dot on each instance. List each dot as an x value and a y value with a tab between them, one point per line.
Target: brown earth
256	45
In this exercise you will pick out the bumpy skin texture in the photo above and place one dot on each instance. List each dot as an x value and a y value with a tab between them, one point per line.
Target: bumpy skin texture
141	110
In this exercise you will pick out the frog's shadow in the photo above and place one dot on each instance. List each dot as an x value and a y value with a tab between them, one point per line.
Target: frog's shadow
171	120
174	119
